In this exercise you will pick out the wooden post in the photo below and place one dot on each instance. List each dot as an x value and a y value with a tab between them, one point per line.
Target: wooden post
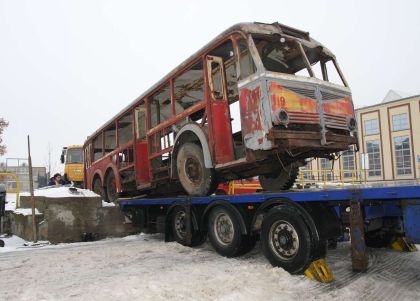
31	189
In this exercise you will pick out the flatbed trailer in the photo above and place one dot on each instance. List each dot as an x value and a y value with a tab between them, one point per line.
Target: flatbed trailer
294	227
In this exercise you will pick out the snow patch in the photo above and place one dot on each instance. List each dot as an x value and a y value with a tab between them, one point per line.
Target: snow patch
26	211
61	192
106	204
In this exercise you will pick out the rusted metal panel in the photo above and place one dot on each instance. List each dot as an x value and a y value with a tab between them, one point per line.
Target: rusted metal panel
253	123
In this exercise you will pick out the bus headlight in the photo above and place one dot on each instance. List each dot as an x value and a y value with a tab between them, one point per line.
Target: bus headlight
351	123
280	117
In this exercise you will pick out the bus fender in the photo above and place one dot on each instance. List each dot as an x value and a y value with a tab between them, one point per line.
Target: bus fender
187	133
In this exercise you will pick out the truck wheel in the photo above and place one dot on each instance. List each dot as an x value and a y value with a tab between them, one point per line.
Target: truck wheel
111	187
195	178
179	228
286	240
225	235
282	180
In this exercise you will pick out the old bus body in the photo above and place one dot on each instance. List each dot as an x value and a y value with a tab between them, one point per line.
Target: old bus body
258	100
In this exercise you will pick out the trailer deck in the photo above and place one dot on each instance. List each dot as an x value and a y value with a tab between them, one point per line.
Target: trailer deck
294	226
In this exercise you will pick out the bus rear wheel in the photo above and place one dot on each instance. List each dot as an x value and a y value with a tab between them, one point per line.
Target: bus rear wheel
97	187
111	188
282	180
195	178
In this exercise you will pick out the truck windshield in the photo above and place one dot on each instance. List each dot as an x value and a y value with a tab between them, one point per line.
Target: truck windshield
74	155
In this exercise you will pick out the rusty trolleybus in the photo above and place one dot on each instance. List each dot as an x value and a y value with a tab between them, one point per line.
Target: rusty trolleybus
256	101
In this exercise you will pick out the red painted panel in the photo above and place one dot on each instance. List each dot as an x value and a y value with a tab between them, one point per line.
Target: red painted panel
142	163
222	132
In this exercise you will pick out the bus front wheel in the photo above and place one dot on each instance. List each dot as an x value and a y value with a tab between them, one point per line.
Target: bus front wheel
282	180
195	178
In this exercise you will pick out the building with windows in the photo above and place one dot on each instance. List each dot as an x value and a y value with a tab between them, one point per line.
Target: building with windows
389	133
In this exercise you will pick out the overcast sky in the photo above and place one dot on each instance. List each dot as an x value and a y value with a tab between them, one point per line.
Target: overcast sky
66	67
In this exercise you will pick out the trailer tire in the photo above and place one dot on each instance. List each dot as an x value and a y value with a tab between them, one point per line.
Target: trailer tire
286	240
195	177
378	239
225	235
179	228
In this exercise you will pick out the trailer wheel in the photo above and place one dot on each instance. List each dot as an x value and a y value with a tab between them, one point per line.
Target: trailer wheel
195	178
179	230
111	187
282	180
286	240
378	239
225	235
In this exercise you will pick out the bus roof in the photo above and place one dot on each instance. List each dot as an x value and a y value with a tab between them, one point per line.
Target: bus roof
245	28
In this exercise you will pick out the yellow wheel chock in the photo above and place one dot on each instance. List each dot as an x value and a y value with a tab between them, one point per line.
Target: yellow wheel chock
319	270
401	244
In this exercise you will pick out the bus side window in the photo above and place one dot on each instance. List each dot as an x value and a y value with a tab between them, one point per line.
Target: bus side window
246	62
160	106
125	129
141	122
225	51
110	142
97	147
189	88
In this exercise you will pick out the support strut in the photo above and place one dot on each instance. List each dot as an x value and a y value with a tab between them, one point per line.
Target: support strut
359	258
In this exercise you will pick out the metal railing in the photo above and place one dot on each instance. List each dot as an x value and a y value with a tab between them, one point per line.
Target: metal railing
324	176
10	188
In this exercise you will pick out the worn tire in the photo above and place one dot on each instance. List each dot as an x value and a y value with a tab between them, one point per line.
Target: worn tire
225	233
179	229
282	180
97	188
111	188
195	178
286	240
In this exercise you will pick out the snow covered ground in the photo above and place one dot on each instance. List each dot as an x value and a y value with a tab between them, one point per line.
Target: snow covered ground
143	267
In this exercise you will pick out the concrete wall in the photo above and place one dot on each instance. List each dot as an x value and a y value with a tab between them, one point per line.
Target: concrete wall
69	219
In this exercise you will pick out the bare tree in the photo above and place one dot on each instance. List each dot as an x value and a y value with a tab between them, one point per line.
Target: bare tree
3	125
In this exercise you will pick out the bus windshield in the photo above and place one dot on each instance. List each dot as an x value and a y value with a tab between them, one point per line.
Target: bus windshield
74	156
285	56
280	57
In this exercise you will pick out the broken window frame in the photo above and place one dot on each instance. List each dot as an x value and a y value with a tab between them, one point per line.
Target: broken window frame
323	60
